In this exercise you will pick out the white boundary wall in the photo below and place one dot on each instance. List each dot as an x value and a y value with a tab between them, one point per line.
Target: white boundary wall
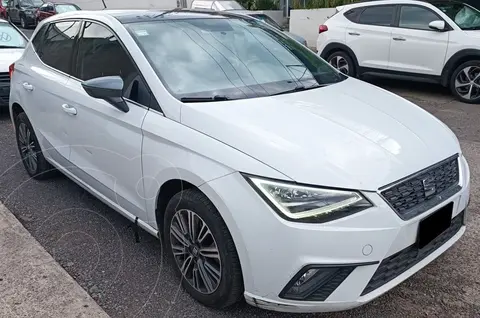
306	22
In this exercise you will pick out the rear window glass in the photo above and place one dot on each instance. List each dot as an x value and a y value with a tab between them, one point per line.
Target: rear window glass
381	15
10	37
353	14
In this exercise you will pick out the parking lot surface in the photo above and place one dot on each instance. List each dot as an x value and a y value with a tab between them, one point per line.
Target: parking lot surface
97	248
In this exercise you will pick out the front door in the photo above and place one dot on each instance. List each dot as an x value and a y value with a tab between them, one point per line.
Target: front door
415	48
369	37
107	142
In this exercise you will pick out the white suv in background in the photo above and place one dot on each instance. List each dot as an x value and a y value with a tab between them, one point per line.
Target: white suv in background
437	41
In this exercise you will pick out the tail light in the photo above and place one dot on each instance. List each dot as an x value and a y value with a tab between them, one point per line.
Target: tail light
322	28
11	68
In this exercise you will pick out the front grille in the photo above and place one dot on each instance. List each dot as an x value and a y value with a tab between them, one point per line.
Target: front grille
402	261
424	190
4	88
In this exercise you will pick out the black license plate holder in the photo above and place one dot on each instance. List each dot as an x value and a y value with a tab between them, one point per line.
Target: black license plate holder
433	225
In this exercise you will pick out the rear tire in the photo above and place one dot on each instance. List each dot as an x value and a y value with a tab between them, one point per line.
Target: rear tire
30	151
465	82
213	275
343	62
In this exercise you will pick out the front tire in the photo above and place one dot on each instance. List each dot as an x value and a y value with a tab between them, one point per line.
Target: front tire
465	82
342	62
23	22
202	249
30	151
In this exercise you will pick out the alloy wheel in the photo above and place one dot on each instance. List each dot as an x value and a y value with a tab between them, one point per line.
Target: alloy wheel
467	83
23	23
195	251
27	147
340	64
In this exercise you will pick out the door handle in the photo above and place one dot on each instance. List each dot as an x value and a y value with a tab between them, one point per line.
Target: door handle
354	33
69	109
27	86
399	38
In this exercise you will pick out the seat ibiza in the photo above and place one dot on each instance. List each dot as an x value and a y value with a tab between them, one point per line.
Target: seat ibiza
267	173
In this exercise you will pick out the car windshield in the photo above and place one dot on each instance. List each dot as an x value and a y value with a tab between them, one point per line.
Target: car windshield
230	5
61	8
31	3
234	58
11	38
4	3
265	18
465	16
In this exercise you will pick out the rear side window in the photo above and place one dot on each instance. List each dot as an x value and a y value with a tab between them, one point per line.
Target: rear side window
39	38
57	47
353	14
378	15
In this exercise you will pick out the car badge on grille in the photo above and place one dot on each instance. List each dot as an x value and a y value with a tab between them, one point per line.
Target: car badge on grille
429	186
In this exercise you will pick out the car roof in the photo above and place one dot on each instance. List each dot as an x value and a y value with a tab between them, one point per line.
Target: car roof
379	2
144	15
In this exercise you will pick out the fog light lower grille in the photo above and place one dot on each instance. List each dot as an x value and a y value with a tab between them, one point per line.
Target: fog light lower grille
317	282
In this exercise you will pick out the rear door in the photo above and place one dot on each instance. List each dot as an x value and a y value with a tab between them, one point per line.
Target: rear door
369	34
44	85
415	48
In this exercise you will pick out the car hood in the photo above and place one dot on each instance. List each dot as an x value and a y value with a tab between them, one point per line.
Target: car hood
348	135
9	56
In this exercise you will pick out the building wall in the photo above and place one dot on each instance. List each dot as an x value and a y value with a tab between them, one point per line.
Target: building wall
306	22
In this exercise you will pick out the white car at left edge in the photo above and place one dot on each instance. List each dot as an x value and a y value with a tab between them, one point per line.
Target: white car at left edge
12	45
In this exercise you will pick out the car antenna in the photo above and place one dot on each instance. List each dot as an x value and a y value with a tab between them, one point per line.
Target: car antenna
104	5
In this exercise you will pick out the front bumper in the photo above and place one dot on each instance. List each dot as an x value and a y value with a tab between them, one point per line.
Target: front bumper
272	250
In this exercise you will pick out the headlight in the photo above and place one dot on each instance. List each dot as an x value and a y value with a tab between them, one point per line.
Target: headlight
308	204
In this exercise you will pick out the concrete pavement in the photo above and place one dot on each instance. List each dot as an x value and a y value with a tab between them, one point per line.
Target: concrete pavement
32	283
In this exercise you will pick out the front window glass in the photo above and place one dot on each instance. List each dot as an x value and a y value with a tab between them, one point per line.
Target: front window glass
465	16
10	37
61	8
415	17
231	58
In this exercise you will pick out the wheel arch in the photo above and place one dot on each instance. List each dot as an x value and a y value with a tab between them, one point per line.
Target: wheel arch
335	46
455	60
15	111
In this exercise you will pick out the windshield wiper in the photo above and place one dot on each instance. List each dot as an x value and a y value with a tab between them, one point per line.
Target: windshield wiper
215	98
10	47
299	88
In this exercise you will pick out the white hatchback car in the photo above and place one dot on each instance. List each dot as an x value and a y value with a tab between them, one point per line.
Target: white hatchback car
435	40
268	173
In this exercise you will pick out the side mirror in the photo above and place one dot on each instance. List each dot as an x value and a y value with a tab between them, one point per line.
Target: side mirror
437	25
108	88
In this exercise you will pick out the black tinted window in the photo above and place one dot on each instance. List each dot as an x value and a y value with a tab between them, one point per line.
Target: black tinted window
101	54
39	37
414	17
353	14
57	47
381	15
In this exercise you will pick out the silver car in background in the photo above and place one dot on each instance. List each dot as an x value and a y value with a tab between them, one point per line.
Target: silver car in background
235	7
